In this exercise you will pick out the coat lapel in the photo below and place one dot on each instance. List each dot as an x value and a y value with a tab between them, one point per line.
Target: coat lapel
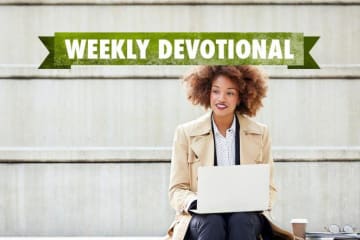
202	143
203	147
250	141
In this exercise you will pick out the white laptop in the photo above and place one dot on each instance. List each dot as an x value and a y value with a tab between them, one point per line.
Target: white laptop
240	188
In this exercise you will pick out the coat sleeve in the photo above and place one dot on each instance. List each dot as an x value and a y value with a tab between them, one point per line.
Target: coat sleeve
180	195
267	158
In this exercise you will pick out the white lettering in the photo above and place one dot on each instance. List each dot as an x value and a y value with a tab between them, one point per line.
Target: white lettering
259	49
142	47
129	49
275	49
192	48
231	49
116	49
243	49
92	48
207	49
74	48
104	48
288	54
179	48
165	49
221	47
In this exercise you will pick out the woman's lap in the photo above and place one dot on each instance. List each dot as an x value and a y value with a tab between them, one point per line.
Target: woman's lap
246	226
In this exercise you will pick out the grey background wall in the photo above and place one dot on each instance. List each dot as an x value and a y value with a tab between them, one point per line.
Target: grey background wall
86	151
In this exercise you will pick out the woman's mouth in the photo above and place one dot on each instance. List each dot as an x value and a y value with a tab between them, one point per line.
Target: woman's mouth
221	106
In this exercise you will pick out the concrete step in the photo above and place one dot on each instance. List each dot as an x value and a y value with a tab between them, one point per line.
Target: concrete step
82	238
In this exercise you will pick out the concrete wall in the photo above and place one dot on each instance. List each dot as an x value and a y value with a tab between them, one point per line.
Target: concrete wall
86	151
131	199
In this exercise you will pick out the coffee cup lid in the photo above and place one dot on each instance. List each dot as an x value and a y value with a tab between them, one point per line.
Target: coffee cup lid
299	220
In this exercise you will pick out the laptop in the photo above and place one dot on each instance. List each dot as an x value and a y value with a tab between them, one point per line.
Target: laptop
239	188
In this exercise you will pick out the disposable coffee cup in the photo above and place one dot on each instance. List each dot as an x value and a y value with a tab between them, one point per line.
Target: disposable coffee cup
299	227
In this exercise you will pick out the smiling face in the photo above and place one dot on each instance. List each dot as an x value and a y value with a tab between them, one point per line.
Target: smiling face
224	97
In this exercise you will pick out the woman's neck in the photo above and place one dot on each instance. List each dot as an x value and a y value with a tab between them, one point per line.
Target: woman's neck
223	123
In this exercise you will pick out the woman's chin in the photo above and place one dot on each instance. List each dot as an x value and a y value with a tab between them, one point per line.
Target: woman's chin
222	113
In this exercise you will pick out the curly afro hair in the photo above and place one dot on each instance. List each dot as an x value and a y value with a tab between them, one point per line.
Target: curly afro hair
252	84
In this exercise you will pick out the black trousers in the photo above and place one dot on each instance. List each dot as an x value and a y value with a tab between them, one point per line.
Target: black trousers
226	226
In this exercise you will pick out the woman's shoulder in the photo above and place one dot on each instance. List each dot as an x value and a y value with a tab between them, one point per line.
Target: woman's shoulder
198	126
251	125
202	125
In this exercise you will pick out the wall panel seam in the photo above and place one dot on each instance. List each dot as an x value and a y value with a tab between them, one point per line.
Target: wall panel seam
160	154
174	3
30	72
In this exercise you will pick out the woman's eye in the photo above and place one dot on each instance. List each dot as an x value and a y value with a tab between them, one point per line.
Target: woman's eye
215	91
230	94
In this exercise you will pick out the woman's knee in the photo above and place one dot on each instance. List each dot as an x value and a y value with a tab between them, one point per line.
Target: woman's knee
208	220
211	226
215	220
244	226
243	218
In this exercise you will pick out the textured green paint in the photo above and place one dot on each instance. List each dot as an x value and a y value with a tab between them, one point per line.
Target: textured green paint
48	62
309	62
58	57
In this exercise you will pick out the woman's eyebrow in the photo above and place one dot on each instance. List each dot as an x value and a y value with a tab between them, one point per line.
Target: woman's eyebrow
216	86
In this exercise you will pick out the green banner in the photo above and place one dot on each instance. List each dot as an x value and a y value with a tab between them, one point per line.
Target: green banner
178	48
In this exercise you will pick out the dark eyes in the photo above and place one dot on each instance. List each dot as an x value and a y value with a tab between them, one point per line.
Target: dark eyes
215	91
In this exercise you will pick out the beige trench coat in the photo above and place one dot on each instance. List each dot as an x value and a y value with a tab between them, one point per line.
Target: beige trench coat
193	146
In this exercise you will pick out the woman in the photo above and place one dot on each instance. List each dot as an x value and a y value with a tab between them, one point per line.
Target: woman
233	93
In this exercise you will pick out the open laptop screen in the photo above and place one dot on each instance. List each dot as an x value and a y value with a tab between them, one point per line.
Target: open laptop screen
239	188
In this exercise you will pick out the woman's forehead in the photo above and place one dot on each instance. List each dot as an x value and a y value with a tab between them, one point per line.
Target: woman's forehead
224	81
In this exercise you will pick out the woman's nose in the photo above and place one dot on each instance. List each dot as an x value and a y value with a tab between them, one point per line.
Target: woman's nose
221	96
